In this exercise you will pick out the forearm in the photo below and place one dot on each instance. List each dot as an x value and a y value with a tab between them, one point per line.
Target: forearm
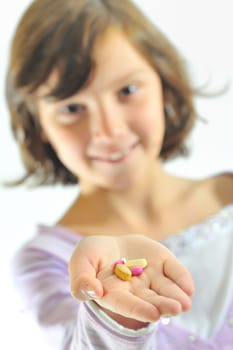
124	321
95	329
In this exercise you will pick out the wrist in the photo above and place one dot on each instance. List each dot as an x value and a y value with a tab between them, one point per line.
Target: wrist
126	322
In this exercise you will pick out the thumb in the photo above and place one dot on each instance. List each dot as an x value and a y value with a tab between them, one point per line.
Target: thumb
84	284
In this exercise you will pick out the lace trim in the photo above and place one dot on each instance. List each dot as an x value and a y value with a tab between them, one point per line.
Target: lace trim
202	232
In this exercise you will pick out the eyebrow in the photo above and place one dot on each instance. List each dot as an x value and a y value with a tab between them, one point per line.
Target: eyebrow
115	81
127	76
45	95
49	98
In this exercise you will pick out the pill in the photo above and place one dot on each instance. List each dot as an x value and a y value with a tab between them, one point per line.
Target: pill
136	262
123	272
136	270
121	262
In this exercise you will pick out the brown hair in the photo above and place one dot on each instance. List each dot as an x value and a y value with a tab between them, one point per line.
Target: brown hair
62	33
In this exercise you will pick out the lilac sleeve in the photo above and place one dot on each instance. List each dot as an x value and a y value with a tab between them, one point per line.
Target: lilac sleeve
41	275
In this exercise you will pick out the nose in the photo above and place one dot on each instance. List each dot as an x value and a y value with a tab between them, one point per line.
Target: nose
108	121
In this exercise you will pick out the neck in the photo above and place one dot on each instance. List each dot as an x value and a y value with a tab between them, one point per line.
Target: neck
149	208
138	204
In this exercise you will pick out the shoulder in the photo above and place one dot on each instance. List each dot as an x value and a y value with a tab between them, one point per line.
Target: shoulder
48	243
217	186
209	195
222	187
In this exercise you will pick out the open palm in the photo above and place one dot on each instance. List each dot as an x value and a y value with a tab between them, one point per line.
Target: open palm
164	288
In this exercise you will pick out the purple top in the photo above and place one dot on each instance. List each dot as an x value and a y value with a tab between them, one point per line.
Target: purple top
41	274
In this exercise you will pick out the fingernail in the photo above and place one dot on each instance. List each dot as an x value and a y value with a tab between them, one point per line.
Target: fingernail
88	294
165	319
91	293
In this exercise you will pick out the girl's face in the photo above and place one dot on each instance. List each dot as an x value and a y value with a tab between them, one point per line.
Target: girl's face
111	131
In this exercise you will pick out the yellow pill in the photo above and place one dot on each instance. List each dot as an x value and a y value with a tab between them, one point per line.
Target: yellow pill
123	272
136	262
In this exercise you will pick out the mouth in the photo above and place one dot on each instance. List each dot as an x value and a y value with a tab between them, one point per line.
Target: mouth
117	157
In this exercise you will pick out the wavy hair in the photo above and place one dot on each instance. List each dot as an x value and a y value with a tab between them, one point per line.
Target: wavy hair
62	34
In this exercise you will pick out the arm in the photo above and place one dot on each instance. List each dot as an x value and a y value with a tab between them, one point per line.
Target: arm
41	275
42	281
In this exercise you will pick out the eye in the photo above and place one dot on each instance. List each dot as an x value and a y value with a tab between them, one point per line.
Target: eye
70	113
72	109
128	90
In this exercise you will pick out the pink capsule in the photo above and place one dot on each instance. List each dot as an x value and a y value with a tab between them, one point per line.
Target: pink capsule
119	262
136	270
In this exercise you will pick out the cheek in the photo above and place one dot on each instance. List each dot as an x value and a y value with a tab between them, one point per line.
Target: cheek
148	122
71	153
68	145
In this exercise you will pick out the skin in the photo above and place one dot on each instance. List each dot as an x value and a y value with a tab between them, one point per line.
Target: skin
164	288
120	111
114	113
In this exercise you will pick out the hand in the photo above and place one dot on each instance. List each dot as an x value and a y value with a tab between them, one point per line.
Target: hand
164	287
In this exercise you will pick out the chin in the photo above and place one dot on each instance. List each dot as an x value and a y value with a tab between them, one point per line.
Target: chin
121	185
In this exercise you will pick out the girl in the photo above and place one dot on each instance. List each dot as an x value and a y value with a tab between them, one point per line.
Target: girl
99	97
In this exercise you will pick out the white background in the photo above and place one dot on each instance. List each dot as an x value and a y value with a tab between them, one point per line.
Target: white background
202	31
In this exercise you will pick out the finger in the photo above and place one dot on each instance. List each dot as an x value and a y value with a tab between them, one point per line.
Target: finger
176	271
131	306
165	305
83	282
167	288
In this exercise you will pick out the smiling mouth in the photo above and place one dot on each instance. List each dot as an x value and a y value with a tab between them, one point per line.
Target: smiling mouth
117	157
